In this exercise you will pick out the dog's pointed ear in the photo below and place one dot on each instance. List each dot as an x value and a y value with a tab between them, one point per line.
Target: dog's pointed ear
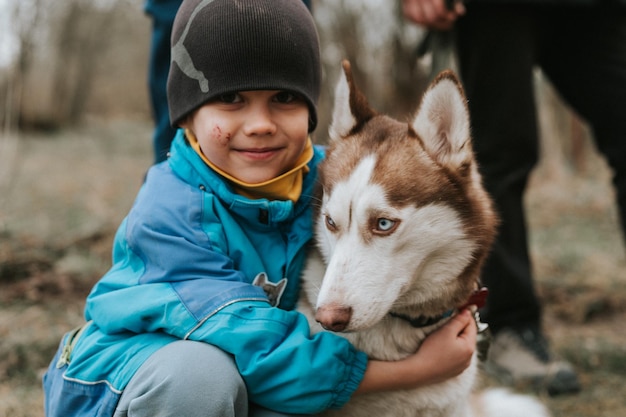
442	122
351	108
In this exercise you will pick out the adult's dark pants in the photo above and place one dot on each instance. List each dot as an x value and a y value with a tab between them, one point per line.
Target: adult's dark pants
582	50
162	13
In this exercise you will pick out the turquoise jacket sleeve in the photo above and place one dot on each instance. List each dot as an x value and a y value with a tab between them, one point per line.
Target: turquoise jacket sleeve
284	367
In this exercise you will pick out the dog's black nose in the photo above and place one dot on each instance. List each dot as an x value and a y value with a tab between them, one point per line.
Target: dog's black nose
334	317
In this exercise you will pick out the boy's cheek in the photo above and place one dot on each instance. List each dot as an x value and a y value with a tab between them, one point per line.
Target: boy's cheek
220	136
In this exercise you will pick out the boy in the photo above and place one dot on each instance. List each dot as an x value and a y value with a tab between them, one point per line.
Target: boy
176	327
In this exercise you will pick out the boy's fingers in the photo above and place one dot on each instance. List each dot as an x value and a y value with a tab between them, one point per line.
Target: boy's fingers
470	331
464	323
463	318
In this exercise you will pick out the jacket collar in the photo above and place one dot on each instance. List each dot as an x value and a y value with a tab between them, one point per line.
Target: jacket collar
188	165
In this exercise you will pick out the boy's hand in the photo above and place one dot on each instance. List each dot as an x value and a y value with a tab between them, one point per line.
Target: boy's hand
434	14
443	355
448	351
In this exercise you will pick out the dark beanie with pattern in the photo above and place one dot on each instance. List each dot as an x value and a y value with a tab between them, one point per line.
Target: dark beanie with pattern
225	46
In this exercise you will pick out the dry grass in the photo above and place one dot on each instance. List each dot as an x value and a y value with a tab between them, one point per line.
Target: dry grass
58	212
69	191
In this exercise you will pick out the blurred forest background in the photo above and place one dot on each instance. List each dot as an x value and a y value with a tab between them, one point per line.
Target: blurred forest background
75	142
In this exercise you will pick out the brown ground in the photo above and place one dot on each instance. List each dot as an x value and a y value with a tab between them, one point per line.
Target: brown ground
65	194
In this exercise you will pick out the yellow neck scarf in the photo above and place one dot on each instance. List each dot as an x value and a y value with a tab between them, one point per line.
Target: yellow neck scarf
287	186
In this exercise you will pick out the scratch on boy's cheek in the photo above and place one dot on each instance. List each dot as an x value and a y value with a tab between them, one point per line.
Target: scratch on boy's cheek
221	137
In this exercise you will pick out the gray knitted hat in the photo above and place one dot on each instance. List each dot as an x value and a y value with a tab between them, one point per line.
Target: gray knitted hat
225	46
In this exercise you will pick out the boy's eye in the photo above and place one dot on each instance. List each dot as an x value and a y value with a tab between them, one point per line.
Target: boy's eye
285	97
229	98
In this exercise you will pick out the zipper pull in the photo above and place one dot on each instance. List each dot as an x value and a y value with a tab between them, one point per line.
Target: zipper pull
64	359
70	343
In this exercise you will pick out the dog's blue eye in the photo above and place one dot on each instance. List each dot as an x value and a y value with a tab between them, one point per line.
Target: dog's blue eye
385	225
330	223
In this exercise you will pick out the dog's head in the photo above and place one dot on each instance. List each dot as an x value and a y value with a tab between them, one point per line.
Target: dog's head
404	223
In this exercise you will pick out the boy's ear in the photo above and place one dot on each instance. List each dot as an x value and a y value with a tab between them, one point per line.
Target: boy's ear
351	108
185	123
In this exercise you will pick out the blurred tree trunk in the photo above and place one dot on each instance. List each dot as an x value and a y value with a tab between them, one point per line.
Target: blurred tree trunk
82	39
408	79
26	15
347	31
59	48
12	89
66	57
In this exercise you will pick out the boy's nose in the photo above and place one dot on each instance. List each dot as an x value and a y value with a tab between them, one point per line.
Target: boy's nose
260	122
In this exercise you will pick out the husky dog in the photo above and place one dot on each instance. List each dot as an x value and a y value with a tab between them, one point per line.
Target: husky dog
402	230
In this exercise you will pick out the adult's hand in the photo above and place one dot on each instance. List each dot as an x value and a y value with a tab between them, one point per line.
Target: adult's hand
433	14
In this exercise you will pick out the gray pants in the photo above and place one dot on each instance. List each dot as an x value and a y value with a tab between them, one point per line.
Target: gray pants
189	379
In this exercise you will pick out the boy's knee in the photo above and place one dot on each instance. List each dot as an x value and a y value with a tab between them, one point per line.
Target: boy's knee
201	363
191	379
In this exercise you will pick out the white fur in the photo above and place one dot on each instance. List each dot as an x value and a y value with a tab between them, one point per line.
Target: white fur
373	272
342	118
443	117
501	402
407	270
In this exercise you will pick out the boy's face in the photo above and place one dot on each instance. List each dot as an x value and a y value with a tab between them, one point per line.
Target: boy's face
254	136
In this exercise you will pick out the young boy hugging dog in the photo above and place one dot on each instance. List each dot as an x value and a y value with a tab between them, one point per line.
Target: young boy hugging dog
176	327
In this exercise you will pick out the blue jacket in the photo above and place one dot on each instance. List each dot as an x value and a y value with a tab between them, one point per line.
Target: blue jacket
183	262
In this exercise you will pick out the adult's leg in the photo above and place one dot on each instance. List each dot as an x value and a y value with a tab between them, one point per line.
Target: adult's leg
497	53
496	56
162	13
584	56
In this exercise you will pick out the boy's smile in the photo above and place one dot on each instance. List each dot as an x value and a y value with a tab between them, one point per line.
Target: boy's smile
254	136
